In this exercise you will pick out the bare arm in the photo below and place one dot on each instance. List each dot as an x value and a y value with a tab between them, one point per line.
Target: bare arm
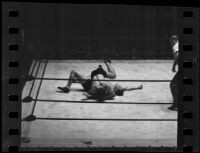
89	96
136	88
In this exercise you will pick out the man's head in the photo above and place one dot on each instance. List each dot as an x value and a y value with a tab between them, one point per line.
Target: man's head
100	93
119	91
173	39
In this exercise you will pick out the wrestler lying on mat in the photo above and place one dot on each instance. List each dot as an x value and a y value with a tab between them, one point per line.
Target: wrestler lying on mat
94	84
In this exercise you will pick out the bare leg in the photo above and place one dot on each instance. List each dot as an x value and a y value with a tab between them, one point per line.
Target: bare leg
173	90
173	87
74	76
111	72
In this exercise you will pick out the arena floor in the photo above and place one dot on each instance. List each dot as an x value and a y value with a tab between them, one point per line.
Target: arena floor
139	118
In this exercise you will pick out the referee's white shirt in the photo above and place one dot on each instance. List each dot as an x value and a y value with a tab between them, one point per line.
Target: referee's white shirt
175	47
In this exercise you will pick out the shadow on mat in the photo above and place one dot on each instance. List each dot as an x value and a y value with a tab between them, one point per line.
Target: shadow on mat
84	99
77	90
94	100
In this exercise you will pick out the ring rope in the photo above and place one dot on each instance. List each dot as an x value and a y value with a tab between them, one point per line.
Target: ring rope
105	80
39	87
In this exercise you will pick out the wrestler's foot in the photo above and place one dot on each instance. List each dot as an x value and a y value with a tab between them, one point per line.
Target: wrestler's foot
64	89
107	61
100	66
173	107
140	86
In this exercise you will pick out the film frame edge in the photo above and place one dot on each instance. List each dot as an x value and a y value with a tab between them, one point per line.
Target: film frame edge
191	142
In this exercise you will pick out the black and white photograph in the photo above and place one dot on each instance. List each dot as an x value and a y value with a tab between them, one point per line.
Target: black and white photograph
99	75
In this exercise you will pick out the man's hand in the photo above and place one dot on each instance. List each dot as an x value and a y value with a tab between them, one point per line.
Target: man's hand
140	86
87	95
173	69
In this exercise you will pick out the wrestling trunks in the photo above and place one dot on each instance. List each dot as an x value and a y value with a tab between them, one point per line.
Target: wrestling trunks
88	84
99	70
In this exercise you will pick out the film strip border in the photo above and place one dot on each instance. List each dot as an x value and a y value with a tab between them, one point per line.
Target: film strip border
188	114
11	67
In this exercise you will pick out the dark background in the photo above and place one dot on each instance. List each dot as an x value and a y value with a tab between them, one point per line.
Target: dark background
94	31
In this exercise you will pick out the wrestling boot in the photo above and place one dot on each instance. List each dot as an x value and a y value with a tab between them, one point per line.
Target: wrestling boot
64	89
106	60
100	66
